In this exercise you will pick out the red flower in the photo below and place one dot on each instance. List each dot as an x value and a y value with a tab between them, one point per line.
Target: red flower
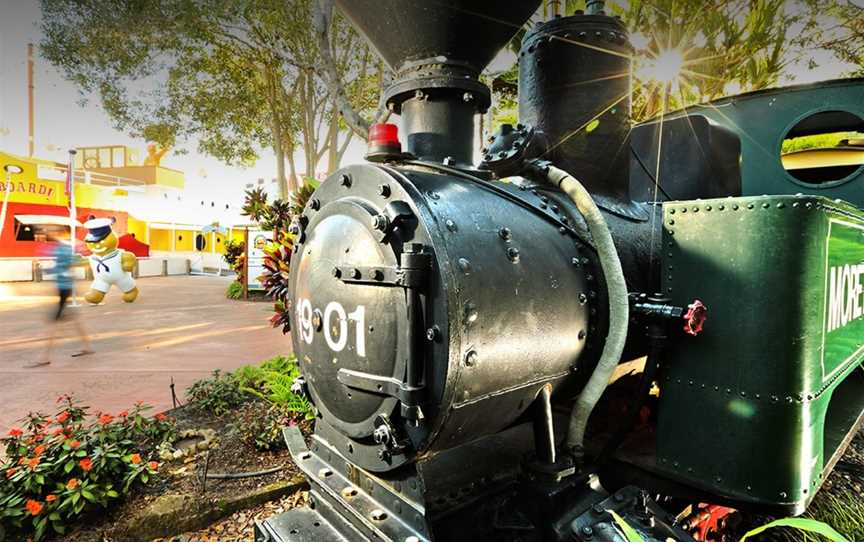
160	417
74	444
154	466
105	419
51	498
33	463
72	484
15	432
135	459
34	507
11	472
86	464
59	431
39	450
63	417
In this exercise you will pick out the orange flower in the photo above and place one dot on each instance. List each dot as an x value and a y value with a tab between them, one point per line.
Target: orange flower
86	464
39	450
11	472
72	484
160	417
33	463
135	459
105	419
154	466
123	414
51	498
63	417
15	432
22	460
59	431
74	444
34	507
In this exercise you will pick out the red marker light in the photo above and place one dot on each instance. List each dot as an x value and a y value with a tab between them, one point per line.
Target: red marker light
383	142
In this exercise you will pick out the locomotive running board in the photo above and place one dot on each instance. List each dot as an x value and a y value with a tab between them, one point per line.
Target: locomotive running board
341	505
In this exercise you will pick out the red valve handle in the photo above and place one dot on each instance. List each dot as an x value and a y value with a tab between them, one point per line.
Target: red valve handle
695	317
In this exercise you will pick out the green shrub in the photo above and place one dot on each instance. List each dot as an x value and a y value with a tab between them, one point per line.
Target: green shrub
59	468
274	381
235	291
217	394
261	425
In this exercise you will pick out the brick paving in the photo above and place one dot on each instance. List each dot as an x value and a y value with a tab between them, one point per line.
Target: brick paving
180	327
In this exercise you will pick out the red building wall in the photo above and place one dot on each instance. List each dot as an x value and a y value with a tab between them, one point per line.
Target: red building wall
10	248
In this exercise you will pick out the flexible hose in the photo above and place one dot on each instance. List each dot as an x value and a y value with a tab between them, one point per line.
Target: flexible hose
619	306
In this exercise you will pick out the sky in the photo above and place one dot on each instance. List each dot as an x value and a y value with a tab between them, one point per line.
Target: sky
62	123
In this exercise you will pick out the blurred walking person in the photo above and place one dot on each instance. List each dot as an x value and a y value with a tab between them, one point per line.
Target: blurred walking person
65	259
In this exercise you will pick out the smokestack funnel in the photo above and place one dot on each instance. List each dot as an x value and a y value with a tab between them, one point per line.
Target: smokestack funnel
437	49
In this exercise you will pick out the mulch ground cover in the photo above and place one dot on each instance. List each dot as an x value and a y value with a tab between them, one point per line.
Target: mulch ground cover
232	454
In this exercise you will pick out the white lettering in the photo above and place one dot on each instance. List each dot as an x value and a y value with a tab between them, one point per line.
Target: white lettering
845	295
339	344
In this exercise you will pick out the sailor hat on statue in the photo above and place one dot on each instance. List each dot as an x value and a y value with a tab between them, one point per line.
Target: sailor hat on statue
97	229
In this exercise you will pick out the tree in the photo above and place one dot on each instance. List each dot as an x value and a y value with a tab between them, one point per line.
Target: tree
237	75
844	35
726	46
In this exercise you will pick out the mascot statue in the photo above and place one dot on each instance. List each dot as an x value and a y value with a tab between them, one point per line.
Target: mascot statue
109	264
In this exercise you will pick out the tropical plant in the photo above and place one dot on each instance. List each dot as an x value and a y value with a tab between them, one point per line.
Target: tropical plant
59	468
275	380
235	290
235	256
261	425
217	394
277	217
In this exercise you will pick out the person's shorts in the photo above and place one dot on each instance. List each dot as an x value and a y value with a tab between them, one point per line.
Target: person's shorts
125	283
64	296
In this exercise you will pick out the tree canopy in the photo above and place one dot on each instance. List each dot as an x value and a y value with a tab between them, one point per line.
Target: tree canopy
236	75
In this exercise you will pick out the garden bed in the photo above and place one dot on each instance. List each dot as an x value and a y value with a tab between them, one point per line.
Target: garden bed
187	490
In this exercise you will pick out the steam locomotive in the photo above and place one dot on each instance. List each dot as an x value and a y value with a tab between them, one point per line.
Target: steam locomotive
598	325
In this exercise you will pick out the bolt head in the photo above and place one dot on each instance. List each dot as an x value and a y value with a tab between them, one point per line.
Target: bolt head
384	190
345	180
315	204
337	272
355	273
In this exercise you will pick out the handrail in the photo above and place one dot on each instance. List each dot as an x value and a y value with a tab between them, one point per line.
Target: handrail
93	177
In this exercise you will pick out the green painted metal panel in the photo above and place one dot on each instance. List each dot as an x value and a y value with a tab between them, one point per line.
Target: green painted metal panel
755	407
762	119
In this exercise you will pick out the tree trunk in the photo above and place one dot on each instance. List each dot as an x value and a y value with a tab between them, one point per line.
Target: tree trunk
276	129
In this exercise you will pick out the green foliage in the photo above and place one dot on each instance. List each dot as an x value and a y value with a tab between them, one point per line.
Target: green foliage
261	425
235	256
217	394
819	141
844	511
237	76
802	524
629	532
274	380
60	468
235	290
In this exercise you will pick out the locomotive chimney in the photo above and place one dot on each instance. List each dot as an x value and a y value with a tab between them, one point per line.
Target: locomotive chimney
437	51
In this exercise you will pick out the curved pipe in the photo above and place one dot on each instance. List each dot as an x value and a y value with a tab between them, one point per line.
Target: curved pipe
619	306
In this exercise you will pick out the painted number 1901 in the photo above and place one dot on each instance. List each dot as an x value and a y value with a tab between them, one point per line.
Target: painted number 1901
335	323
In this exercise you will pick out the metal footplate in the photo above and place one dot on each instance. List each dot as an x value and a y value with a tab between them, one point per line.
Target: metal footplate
340	509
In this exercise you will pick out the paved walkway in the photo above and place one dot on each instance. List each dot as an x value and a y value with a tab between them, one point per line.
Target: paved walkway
181	327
